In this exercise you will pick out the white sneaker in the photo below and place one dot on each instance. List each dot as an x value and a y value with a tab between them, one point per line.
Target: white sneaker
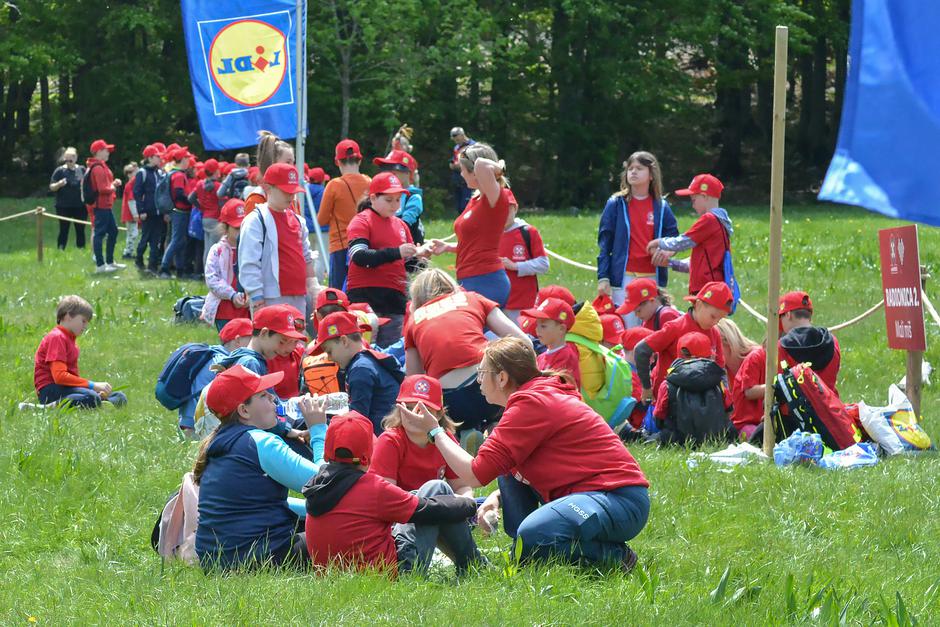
116	266
105	269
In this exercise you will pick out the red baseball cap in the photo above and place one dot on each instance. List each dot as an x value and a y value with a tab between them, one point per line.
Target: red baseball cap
703	184
254	175
332	296
398	158
282	319
347	149
100	144
387	183
284	177
791	301
235	328
211	166
353	432
236	385
697	345
527	323
226	167
422	388
233	212
553	309
151	151
603	304
179	153
613	328
160	146
555	291
318	175
334	325
716	293
638	292
633	336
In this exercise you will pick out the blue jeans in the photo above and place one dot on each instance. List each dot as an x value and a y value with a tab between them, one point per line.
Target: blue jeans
152	232
494	286
338	269
79	397
585	527
176	250
467	406
105	226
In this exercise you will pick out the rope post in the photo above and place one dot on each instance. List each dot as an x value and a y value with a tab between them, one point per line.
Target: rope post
776	229
915	360
39	212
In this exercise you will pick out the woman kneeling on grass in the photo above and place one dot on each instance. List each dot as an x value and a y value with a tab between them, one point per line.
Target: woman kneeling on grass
244	472
593	494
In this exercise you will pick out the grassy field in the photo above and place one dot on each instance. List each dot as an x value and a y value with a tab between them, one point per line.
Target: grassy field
753	545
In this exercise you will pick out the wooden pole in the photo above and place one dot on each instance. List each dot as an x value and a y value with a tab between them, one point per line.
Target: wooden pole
915	360
776	229
39	216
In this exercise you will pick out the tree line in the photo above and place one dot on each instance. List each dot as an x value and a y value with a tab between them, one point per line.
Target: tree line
563	89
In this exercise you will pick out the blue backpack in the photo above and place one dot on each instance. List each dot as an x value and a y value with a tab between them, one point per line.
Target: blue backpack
175	382
727	266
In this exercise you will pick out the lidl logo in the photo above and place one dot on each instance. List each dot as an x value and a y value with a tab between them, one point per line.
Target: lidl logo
247	59
332	330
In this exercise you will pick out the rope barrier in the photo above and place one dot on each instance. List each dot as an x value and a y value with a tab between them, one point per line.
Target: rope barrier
858	318
753	311
571	262
64	219
20	215
930	308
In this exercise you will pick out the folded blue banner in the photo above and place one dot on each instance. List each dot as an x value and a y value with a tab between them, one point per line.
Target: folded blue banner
241	64
888	155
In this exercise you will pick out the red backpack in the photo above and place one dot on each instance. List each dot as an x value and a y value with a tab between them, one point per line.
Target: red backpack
804	402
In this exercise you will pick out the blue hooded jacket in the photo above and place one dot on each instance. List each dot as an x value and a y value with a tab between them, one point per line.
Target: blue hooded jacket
613	239
244	515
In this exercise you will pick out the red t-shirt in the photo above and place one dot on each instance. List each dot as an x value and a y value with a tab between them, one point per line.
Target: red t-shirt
57	345
380	233
227	310
396	457
564	359
448	331
126	196
522	289
750	373
208	200
358	532
706	263
664	341
640	213
666	314
292	267
479	229
289	386
550	439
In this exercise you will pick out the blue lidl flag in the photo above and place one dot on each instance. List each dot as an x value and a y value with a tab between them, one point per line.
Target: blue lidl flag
888	155
241	63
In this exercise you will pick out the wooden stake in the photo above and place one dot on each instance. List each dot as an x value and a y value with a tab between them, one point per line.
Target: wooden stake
776	229
39	216
915	360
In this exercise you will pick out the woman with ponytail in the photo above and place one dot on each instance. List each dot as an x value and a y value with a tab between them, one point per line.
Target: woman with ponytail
480	227
593	495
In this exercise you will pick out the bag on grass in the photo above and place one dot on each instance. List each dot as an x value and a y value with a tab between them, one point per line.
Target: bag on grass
799	448
696	403
894	427
804	402
188	309
614	401
856	456
175	382
174	534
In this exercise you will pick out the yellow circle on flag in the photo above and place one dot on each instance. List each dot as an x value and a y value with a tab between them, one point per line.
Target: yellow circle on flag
248	61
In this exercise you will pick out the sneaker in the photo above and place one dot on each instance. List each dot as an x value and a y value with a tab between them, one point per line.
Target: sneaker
105	269
629	561
117	266
164	275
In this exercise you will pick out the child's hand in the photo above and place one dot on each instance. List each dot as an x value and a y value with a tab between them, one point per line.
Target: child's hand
646	395
438	247
297	434
143	216
509	264
603	288
661	257
488	514
103	389
313	409
407	250
116	183
653	245
420	421
239	300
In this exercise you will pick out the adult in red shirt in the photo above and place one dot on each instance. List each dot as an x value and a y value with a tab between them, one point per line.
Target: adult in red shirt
103	184
444	339
480	226
550	448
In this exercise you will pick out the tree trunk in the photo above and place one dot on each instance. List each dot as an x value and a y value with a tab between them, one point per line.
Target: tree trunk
732	105
45	116
345	86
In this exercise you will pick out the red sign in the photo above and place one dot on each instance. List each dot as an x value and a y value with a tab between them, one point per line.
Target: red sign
900	278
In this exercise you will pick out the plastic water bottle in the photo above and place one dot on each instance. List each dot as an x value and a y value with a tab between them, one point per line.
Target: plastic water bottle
337	403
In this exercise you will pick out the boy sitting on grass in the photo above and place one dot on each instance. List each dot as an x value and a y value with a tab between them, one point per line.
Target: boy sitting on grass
554	318
55	373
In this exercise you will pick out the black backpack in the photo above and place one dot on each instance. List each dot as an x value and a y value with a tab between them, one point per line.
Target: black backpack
696	403
238	187
89	193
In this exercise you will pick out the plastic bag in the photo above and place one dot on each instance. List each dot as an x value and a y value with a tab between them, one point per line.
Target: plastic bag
894	426
799	448
856	456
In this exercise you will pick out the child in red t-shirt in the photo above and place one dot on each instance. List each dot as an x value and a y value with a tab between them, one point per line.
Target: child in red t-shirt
709	238
225	300
55	366
350	512
129	217
379	245
651	304
554	318
523	255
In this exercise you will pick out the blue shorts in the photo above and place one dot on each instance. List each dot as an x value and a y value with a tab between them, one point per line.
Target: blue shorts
494	285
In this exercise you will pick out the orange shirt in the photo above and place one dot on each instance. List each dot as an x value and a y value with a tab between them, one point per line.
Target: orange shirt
338	206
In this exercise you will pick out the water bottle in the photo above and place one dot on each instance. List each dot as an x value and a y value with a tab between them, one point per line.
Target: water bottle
337	403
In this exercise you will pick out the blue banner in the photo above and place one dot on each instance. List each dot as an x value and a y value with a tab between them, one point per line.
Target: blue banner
241	63
888	155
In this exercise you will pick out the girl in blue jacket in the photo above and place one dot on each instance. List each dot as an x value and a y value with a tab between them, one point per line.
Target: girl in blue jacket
244	473
632	218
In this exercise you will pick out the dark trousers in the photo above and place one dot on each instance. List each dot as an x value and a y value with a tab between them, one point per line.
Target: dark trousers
338	269
78	213
79	397
152	233
177	250
105	227
467	405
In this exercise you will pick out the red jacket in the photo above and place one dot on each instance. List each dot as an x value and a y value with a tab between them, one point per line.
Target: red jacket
556	443
101	181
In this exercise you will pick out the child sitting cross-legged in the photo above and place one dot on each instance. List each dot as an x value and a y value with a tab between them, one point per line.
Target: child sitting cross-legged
554	318
55	371
350	511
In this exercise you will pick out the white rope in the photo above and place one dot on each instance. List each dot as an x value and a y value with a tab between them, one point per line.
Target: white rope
571	262
752	311
858	318
930	308
21	214
63	218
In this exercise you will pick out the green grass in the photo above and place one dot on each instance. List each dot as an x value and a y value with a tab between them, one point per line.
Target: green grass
756	545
